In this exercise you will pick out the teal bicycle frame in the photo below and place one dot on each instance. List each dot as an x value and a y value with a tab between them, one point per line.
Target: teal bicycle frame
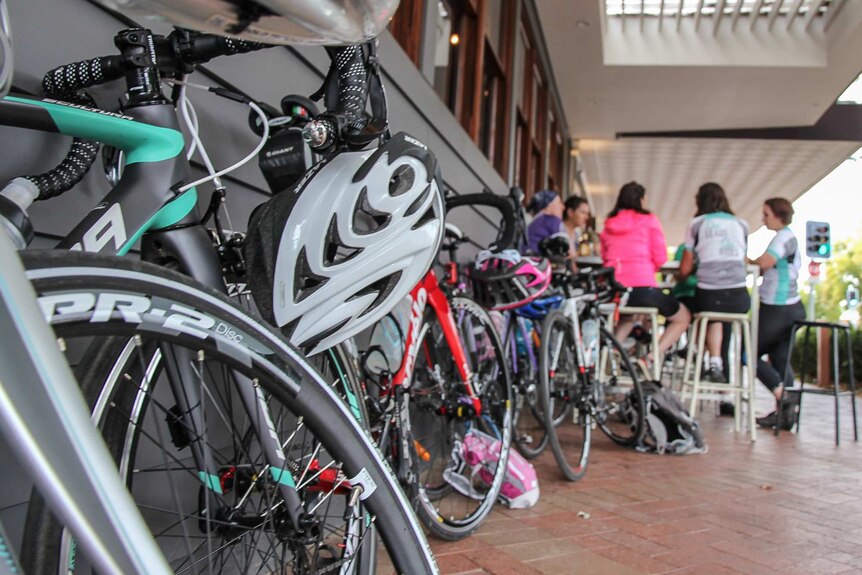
147	205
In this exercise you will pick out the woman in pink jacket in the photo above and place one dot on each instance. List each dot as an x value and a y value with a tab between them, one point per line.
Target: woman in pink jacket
633	244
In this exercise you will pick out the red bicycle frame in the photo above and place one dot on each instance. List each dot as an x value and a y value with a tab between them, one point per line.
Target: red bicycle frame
428	291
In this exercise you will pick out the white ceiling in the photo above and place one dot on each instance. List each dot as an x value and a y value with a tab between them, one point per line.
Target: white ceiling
636	74
672	169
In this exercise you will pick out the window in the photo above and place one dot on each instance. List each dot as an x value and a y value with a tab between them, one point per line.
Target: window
555	154
493	128
531	106
481	61
406	27
494	25
443	48
455	63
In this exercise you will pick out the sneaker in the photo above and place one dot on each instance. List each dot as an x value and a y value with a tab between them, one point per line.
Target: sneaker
726	408
789	410
768	421
788	419
714	375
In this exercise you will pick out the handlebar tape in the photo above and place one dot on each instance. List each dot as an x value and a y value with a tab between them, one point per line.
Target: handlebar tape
501	204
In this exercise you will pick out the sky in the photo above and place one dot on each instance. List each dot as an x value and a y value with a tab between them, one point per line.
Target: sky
836	199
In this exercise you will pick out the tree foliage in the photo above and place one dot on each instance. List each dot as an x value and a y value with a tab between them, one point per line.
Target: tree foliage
846	260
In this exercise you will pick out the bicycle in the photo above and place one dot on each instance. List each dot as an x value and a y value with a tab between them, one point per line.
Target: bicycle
512	287
314	523
582	365
452	380
518	340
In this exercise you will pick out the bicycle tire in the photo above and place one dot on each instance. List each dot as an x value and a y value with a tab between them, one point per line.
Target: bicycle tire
619	409
437	430
561	381
300	402
529	436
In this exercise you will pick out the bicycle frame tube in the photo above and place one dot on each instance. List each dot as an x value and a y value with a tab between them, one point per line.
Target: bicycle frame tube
426	292
528	342
143	200
64	454
570	308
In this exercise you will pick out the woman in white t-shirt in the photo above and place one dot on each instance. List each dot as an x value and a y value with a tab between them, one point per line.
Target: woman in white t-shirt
715	243
780	306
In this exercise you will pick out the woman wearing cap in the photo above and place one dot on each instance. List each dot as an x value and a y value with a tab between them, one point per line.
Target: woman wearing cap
548	208
633	243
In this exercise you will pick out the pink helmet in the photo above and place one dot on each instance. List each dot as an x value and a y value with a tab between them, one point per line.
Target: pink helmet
507	279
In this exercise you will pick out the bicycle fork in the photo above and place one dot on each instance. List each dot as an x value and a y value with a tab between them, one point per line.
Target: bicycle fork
183	376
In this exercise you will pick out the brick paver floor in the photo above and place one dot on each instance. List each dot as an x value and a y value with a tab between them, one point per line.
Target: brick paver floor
786	505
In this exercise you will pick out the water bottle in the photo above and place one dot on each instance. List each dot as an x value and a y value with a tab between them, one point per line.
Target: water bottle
590	337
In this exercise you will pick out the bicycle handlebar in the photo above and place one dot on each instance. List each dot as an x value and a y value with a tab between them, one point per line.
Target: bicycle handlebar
178	52
65	81
195	49
501	204
600	281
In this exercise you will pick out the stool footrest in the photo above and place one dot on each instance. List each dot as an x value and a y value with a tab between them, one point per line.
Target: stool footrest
720	315
831	325
643	310
718	387
824	391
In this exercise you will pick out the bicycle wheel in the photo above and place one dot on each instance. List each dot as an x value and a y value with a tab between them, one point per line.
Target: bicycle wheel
232	520
451	495
529	436
620	401
563	390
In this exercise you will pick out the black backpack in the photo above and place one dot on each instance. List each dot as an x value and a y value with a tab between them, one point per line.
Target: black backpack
669	427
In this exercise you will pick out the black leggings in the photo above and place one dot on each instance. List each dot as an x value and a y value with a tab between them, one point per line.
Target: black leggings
773	339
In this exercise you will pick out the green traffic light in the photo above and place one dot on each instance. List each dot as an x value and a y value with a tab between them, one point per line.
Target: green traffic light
823	250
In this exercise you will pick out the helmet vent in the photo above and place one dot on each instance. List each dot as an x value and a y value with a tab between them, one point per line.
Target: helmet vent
311	342
336	251
367	220
417	203
383	287
305	281
401	181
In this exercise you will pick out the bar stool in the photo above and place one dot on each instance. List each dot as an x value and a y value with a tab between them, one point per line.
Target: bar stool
836	373
741	384
652	312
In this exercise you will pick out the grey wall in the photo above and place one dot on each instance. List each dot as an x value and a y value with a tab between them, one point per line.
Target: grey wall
49	33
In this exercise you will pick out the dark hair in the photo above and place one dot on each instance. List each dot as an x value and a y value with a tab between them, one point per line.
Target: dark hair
630	198
710	199
574	202
781	208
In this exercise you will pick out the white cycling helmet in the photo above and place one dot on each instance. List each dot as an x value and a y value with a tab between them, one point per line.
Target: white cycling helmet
331	255
271	21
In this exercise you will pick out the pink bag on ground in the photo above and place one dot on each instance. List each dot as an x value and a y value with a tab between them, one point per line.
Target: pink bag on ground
481	453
